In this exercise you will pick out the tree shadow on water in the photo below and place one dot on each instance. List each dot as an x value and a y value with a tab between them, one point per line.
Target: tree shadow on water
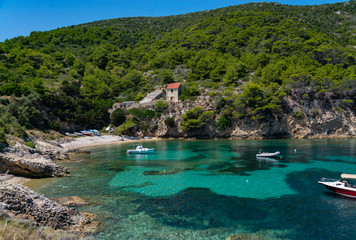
199	208
309	214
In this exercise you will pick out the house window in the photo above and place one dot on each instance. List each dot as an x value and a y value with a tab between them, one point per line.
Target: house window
171	90
172	98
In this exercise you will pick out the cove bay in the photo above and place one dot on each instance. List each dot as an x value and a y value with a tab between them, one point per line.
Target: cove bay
210	189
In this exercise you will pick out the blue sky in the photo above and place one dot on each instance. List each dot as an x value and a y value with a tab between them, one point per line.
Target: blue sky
21	17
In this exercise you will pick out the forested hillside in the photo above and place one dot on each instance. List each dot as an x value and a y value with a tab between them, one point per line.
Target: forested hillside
246	57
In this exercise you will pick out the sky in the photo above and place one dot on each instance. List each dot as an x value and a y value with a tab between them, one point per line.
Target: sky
21	17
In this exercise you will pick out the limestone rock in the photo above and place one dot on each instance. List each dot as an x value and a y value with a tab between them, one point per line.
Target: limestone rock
30	166
27	204
324	116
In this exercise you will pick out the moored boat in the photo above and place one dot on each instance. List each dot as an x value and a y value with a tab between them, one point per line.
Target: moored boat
342	186
261	153
140	150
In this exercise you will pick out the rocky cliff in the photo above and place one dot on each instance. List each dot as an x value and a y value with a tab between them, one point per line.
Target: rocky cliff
325	115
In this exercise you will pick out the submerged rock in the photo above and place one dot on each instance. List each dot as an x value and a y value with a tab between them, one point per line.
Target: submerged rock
245	236
70	201
24	203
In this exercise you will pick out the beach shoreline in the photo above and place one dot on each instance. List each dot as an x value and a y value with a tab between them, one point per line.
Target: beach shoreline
94	141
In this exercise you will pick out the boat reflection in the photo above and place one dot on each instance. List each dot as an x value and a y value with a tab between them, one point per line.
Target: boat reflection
266	159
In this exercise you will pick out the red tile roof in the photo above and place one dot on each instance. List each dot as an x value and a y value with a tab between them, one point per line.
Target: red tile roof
173	85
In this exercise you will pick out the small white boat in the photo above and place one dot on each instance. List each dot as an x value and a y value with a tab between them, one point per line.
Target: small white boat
342	186
261	153
140	150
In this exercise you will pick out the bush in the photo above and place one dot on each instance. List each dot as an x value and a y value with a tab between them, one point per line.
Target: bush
125	126
149	113
196	118
2	136
139	96
30	144
347	101
161	106
223	123
141	113
158	115
298	115
170	122
118	117
339	109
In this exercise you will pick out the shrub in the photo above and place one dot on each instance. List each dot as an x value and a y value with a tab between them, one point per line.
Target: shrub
118	116
298	115
149	113
158	115
2	136
125	126
170	122
161	105
223	123
139	96
30	144
196	118
339	109
347	101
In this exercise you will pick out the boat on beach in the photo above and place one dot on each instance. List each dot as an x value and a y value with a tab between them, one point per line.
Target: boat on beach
342	186
87	133
140	150
261	153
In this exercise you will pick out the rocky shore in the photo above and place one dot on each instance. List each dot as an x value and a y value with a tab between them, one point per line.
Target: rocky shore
19	163
20	202
17	201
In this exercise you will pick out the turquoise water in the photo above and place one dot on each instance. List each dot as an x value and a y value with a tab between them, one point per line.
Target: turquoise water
211	189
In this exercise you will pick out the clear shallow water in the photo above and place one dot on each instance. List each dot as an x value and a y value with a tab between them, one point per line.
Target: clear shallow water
210	189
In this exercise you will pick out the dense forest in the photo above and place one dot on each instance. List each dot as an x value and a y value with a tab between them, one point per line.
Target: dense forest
247	57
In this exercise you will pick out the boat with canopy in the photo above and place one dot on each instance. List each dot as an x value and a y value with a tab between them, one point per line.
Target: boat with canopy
140	150
342	186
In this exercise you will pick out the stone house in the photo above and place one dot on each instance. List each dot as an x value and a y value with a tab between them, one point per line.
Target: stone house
173	91
124	105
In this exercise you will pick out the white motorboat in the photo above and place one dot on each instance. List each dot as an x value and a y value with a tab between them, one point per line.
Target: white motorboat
342	186
140	150
261	153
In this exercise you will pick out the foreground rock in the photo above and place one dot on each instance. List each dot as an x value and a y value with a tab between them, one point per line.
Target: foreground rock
21	160
25	164
21	202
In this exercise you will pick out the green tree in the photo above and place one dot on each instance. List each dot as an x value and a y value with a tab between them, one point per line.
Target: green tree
118	116
196	118
166	76
69	59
